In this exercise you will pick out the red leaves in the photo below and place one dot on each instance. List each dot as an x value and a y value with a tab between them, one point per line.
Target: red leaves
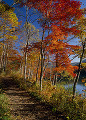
60	14
61	51
57	9
71	70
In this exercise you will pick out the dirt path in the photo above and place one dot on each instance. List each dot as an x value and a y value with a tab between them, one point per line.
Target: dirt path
25	107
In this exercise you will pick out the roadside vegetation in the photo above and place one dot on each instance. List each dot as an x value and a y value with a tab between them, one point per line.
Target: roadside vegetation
56	96
36	52
4	109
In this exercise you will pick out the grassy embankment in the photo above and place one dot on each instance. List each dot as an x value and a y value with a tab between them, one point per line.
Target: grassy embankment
4	110
56	96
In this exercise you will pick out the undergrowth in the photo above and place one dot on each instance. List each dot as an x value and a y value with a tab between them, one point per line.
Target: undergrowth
4	110
56	96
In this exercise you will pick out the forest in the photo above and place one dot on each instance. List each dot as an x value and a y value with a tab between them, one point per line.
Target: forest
36	53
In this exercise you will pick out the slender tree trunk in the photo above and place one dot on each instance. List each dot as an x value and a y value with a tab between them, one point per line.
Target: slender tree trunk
41	74
56	67
50	73
43	55
29	73
26	47
79	69
25	66
4	50
5	56
1	61
52	81
37	69
55	78
22	69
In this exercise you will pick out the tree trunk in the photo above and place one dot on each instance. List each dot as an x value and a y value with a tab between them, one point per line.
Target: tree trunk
56	67
79	69
25	66
55	78
43	55
1	61
4	50
29	73
5	55
26	47
41	52
22	70
50	74
37	69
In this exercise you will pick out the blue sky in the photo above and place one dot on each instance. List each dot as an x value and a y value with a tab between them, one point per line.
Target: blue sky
22	11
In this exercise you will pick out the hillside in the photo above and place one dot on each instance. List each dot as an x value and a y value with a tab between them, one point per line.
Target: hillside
77	63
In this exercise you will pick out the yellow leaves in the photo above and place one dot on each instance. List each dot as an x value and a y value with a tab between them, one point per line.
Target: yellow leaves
1	44
85	84
81	25
14	37
12	19
83	64
33	27
8	15
9	37
2	8
8	22
29	26
83	80
13	29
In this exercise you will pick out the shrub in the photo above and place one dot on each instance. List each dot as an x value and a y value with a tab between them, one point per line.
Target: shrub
4	111
57	96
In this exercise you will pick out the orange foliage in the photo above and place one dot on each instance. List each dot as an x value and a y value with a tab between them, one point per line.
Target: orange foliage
60	14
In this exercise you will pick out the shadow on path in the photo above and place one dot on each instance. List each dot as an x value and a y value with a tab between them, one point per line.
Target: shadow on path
25	107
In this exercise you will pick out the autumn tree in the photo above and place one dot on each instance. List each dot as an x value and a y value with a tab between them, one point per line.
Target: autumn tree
81	25
28	36
9	23
56	19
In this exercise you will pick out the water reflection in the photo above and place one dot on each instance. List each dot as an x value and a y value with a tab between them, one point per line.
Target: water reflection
80	88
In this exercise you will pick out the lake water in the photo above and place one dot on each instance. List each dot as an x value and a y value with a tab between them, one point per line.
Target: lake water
79	87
